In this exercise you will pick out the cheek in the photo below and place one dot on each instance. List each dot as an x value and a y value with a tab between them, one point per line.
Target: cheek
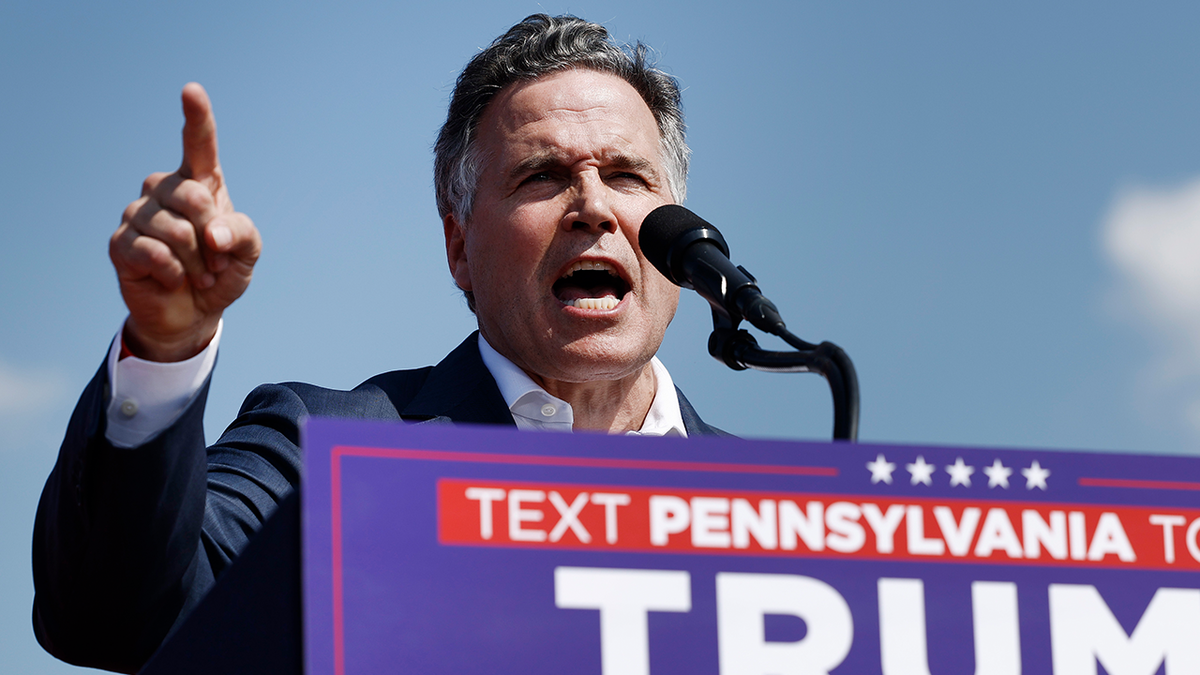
673	298
508	257
526	227
664	295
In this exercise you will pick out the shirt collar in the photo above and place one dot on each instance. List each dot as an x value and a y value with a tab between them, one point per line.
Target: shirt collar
533	408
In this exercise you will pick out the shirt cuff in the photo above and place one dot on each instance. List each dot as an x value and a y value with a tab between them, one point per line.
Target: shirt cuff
148	396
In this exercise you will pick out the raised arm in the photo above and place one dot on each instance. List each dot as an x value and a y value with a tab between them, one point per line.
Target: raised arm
119	551
182	254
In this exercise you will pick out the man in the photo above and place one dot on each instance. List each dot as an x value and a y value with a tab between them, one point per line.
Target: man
556	146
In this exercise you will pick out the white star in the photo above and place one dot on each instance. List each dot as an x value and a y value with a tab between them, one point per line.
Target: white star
997	474
881	470
960	473
921	472
1035	476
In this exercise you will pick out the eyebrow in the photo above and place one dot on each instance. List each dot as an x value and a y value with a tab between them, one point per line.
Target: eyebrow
548	160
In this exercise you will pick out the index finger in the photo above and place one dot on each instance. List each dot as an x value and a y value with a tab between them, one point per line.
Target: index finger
199	134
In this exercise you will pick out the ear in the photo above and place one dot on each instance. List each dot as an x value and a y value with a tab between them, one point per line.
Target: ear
456	252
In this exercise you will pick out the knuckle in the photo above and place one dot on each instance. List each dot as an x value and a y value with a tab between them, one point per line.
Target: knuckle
246	226
133	256
152	181
153	255
194	197
159	256
131	211
179	234
115	240
122	241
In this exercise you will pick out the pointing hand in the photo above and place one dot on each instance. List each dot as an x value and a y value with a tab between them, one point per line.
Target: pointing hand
182	254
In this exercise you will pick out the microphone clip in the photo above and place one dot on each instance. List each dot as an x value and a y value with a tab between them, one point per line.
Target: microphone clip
738	349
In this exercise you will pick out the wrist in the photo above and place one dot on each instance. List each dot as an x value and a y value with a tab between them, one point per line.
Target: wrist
167	349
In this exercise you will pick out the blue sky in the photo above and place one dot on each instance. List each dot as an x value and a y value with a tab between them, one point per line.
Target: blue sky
993	210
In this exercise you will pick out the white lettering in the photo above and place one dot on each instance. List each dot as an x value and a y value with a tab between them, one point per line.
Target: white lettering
1078	535
845	534
1190	539
517	515
918	544
958	535
668	515
743	599
485	496
1039	534
710	522
810	526
997	533
1168	524
610	501
623	597
884	525
1083	631
997	628
1110	538
569	517
902	642
745	521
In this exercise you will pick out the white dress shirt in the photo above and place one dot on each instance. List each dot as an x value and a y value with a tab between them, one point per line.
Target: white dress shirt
533	408
148	396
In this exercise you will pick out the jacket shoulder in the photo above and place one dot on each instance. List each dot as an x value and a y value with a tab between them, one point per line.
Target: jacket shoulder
380	397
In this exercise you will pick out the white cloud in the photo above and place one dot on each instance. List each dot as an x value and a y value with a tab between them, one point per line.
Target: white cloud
1152	237
29	390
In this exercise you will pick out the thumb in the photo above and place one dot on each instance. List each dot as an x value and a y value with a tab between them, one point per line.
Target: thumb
199	134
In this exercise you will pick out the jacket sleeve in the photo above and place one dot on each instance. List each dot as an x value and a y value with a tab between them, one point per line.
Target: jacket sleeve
128	541
116	551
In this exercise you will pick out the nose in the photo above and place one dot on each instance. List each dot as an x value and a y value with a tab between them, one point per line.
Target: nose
591	207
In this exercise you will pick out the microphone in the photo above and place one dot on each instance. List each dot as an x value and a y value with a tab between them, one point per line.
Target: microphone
692	254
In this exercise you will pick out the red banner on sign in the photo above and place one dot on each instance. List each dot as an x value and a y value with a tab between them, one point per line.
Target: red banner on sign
622	518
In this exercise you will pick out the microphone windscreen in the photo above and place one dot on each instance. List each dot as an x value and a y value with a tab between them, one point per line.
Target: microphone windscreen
661	228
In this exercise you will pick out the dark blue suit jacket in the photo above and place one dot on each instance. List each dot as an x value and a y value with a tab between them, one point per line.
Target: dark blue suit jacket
127	542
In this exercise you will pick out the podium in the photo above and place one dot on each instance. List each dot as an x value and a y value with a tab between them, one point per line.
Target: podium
473	550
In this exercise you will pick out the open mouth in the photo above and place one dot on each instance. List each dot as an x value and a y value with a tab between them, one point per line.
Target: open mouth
591	284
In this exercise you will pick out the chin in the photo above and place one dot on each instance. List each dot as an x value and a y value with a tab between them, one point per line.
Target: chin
598	358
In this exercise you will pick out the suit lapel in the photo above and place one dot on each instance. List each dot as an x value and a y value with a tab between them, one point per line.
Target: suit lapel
692	422
460	389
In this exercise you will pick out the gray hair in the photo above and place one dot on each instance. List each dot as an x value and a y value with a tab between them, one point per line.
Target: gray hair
537	46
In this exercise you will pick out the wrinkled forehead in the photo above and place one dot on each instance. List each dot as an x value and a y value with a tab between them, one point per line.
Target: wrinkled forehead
566	108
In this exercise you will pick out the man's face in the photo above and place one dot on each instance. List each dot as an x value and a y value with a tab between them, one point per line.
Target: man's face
571	167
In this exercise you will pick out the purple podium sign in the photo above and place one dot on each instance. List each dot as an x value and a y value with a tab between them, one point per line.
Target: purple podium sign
432	549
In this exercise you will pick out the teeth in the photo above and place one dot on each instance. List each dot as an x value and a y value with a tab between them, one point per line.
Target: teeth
603	304
591	265
596	303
